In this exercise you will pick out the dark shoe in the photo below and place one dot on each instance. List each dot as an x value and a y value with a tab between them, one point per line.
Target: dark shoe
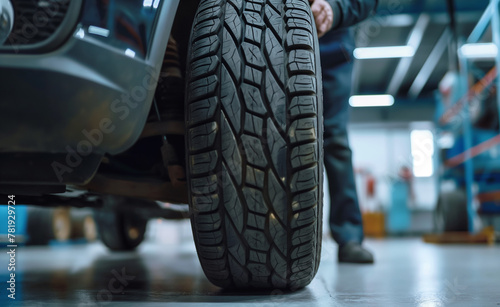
353	252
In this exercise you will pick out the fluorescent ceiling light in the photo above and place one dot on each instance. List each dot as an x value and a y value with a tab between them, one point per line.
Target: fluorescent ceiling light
371	101
80	33
98	31
400	20
130	53
479	51
446	141
384	52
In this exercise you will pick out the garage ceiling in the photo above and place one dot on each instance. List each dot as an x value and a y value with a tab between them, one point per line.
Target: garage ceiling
425	23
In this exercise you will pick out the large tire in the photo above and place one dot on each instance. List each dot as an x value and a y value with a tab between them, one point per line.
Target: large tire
120	231
254	143
451	212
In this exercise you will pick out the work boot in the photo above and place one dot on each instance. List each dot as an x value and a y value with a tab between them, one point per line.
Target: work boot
353	252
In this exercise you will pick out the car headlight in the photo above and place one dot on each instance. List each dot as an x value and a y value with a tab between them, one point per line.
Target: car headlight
6	19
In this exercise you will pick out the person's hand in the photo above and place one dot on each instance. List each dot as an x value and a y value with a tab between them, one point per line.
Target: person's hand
323	16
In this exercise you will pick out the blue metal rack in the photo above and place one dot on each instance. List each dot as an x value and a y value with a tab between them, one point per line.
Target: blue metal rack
461	97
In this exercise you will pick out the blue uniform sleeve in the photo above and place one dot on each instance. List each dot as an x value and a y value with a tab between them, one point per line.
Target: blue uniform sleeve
349	12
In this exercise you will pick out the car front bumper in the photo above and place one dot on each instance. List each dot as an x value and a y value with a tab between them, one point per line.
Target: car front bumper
91	93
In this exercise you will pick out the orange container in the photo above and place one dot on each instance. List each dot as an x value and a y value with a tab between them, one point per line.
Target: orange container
374	224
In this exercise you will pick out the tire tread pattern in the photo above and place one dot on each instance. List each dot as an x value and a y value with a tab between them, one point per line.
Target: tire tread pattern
254	140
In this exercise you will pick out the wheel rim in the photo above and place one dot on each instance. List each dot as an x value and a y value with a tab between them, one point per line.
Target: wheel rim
133	233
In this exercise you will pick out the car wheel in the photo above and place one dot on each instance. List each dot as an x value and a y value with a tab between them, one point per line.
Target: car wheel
451	212
120	231
254	143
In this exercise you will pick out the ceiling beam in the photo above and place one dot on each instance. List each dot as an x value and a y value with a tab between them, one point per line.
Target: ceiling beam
356	74
430	64
408	20
482	25
414	40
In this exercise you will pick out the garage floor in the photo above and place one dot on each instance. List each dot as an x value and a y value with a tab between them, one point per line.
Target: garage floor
165	269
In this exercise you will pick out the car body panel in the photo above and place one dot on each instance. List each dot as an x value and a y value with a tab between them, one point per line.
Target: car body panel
90	95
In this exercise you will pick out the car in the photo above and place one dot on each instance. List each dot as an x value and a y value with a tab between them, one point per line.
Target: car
89	117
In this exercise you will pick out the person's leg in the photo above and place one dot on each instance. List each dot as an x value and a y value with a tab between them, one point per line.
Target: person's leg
345	216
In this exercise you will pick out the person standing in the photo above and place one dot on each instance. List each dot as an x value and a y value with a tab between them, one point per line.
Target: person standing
334	19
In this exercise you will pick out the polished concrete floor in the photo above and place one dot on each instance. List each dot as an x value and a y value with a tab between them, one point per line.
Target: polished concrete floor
165	271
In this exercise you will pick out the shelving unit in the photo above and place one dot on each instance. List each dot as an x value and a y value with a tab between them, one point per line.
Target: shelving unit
471	164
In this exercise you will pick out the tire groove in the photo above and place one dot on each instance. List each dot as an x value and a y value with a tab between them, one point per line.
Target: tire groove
274	232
